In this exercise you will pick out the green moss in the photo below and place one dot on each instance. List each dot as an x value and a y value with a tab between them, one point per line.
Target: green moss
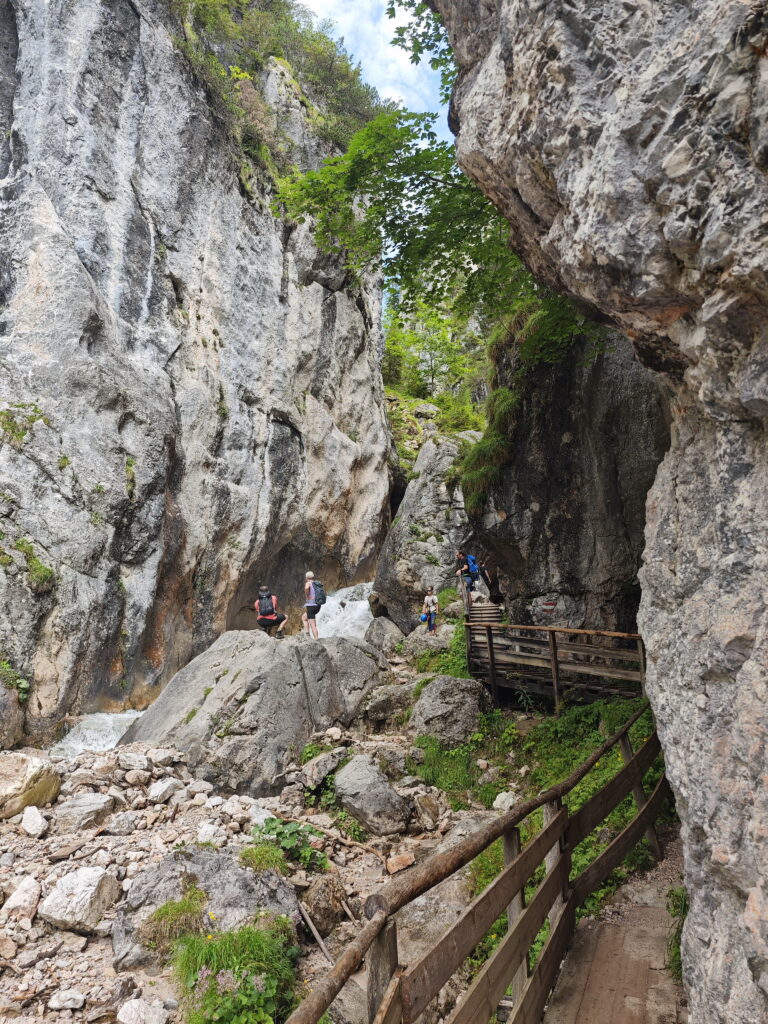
40	577
677	907
5	559
17	419
264	857
64	461
189	716
130	476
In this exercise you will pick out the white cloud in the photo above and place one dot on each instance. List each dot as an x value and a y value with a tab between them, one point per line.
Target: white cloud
367	33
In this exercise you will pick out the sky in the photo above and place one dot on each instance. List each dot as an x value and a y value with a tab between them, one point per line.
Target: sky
367	31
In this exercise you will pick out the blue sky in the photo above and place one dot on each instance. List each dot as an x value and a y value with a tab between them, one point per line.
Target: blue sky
367	32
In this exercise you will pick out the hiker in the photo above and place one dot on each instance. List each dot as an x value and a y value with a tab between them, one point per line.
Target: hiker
265	606
486	574
314	597
468	569
430	608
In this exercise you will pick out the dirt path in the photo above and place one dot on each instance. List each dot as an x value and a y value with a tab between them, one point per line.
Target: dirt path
614	972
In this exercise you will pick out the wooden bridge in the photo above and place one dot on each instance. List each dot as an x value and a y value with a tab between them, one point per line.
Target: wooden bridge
546	660
399	993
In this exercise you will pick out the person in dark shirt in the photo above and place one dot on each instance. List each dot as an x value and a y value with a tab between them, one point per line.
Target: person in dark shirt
268	615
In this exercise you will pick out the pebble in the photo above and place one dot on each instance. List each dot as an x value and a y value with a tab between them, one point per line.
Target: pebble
33	822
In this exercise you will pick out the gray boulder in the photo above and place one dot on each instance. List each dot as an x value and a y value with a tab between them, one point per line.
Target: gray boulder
449	709
316	771
26	780
78	900
243	708
387	703
235	896
363	791
420	548
384	635
420	641
83	811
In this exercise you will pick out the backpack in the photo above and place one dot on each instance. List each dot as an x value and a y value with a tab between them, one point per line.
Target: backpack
319	592
265	606
474	568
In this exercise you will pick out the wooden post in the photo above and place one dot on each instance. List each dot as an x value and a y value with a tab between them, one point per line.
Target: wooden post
515	909
555	670
382	964
641	652
550	810
638	792
492	666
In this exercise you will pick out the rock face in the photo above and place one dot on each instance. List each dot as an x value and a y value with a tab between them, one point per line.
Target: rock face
190	392
627	147
449	709
420	549
565	530
249	704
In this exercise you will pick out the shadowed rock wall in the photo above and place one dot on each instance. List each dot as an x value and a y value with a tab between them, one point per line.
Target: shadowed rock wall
188	388
627	144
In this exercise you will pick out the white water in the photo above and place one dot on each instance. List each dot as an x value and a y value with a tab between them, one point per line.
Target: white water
100	731
346	612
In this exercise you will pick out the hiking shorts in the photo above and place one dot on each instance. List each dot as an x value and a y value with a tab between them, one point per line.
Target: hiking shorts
311	610
269	623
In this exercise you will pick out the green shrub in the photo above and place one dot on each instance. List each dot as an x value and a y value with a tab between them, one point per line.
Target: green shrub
452	662
246	976
13	680
351	828
264	857
294	840
40	577
313	750
190	715
174	919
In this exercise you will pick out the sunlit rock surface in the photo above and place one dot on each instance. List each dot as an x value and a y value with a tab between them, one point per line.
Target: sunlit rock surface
627	144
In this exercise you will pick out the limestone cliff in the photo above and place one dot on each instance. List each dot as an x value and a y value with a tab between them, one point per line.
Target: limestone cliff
565	528
190	391
627	144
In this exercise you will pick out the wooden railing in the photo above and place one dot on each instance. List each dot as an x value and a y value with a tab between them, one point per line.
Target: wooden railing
398	994
548	659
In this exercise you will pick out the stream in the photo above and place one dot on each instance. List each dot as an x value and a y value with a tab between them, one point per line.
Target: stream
345	613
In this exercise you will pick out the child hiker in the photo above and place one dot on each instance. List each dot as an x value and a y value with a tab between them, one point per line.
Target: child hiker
430	608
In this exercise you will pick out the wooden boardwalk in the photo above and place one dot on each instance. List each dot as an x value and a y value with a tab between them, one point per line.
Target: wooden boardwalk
615	971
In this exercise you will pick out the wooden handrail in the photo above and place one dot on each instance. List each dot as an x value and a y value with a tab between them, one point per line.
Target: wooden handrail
554	629
407	994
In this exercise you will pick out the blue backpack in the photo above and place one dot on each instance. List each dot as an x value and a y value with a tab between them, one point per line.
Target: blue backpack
474	568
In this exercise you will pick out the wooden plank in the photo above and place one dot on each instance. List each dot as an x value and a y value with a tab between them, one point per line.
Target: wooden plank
382	964
515	909
555	672
639	794
615	853
601	671
590	814
550	812
424	979
492	666
543	978
490	983
641	652
391	1009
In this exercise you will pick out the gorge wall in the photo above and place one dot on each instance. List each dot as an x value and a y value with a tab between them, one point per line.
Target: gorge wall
565	529
627	144
190	391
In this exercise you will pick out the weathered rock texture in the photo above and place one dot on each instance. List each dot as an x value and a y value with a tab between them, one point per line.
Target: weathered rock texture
565	529
628	147
244	709
206	387
420	549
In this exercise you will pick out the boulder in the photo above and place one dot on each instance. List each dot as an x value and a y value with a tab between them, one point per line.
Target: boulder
316	771
123	824
420	641
160	792
22	904
256	700
24	780
33	822
11	718
449	709
139	1011
66	999
83	811
78	900
363	791
385	704
235	896
420	548
324	902
384	635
